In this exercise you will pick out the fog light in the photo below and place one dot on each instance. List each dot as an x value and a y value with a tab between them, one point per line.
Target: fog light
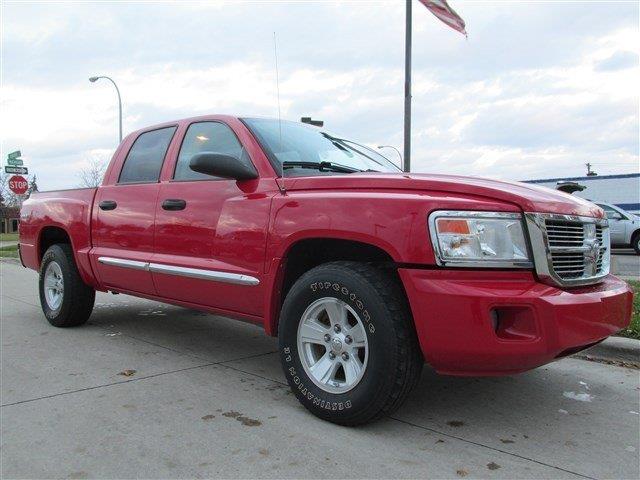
514	323
494	319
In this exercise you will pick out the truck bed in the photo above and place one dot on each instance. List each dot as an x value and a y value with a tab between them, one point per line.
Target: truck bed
65	209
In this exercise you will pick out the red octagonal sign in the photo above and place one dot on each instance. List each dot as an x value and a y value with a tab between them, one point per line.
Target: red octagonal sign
18	185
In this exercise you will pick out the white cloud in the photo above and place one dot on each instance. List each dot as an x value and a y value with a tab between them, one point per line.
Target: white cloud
527	94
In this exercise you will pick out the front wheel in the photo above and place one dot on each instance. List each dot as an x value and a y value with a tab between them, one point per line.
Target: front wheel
65	299
347	342
635	243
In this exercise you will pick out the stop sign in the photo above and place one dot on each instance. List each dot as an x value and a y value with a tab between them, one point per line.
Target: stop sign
18	185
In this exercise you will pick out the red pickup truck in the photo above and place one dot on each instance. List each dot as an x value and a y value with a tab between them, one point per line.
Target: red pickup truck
362	272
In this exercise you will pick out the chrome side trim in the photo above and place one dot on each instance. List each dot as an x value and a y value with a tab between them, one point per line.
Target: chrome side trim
440	261
213	275
121	262
542	251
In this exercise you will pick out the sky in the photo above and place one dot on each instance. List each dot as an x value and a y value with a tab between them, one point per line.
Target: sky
537	89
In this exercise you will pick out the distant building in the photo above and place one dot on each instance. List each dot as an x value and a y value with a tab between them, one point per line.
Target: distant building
9	219
620	190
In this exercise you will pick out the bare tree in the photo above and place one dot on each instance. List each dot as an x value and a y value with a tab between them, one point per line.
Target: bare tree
91	176
7	197
33	186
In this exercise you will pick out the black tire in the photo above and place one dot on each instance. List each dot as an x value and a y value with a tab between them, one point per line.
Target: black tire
394	360
77	297
635	242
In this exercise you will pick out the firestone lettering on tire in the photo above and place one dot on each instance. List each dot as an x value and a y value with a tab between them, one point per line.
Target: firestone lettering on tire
350	295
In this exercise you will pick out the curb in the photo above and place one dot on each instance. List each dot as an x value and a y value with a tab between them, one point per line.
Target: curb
634	278
614	349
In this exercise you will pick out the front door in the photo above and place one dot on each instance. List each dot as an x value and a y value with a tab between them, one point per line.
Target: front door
123	229
210	232
616	224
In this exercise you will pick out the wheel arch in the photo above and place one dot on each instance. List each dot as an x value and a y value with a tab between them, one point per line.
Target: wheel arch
54	234
51	235
306	253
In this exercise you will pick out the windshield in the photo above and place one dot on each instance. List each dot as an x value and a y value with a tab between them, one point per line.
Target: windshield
306	150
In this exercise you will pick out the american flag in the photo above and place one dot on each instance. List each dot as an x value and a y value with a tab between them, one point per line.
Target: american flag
442	10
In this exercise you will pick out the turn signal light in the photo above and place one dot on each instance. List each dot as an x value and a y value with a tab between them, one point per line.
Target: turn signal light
446	225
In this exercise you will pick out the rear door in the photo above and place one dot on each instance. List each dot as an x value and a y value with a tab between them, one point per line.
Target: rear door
210	232
123	229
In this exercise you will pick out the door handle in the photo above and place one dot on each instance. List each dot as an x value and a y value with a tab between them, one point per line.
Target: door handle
108	205
174	204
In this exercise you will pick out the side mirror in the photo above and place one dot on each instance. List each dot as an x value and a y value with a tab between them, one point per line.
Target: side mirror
221	165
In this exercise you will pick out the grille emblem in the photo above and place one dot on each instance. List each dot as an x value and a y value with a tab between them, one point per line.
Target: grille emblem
592	254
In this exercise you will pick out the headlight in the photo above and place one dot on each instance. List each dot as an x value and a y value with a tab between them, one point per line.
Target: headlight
479	239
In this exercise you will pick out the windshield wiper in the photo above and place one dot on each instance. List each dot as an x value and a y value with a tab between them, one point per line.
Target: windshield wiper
345	145
321	166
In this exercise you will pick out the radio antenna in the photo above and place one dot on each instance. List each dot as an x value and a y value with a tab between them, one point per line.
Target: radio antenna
275	54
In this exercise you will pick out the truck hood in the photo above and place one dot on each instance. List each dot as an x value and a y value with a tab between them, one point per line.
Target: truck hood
529	197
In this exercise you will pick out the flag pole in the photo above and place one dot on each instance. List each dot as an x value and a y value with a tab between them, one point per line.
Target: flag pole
407	89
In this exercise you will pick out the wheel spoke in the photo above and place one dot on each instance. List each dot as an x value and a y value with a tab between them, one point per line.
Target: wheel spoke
352	369
324	369
358	336
313	332
337	313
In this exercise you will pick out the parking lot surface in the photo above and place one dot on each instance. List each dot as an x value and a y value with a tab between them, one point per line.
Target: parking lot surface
625	262
150	390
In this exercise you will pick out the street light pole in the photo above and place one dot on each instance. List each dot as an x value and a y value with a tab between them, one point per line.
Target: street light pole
397	151
95	79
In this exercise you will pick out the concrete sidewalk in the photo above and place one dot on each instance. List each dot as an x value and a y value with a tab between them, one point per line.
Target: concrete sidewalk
208	399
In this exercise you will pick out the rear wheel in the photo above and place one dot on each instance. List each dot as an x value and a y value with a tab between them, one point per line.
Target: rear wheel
65	299
347	342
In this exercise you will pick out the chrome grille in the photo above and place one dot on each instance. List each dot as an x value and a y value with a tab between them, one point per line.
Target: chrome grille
576	248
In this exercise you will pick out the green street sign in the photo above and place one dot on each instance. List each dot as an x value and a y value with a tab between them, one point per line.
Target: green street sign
18	170
16	162
13	155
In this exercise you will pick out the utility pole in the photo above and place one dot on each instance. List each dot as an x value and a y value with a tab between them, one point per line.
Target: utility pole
590	173
407	89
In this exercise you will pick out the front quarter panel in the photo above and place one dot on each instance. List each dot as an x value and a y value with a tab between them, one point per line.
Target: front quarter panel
394	221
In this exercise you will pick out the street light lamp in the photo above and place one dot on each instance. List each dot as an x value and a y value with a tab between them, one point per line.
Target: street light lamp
397	151
95	79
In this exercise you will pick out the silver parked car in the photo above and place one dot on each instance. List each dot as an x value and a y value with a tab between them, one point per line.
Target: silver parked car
624	226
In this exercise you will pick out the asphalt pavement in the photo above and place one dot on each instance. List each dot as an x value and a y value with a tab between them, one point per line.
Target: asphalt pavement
156	391
626	263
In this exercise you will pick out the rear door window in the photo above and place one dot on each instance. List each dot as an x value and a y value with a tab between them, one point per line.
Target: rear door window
144	160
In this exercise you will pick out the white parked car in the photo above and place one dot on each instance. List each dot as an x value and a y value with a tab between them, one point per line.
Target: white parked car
624	226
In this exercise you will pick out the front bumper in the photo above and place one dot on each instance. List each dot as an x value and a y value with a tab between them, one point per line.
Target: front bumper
497	323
